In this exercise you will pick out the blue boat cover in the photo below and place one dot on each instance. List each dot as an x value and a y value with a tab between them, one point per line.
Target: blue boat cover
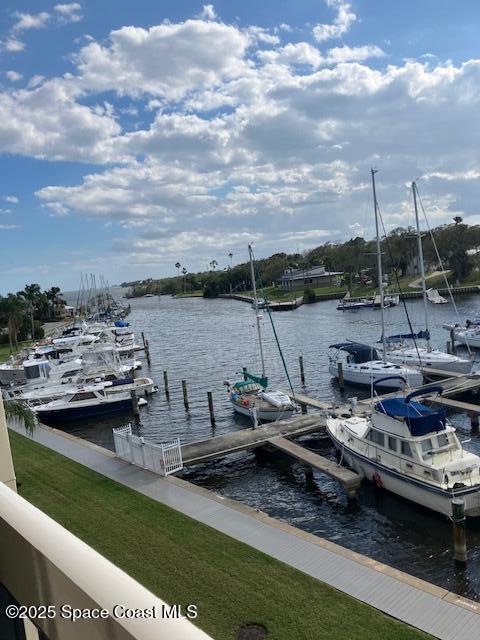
360	352
421	335
420	418
122	323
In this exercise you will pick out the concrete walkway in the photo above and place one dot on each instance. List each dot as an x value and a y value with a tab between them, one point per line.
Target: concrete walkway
418	603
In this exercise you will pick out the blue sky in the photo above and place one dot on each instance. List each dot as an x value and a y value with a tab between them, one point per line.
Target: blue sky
133	135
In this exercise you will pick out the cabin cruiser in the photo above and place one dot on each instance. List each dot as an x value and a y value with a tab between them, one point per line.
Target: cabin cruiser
411	450
362	366
85	402
48	392
251	397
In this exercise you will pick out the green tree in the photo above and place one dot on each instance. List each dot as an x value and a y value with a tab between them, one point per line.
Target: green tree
13	310
31	294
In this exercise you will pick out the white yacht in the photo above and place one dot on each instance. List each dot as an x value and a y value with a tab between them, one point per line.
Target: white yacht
85	402
417	355
361	365
467	334
411	450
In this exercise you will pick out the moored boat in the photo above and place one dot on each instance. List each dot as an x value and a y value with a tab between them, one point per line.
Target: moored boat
411	450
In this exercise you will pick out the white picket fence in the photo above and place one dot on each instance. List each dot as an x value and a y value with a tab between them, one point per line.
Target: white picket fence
163	458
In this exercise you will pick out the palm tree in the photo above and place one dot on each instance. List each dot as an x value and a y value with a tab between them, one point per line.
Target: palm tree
177	267
184	271
52	297
19	411
12	311
31	294
214	264
230	255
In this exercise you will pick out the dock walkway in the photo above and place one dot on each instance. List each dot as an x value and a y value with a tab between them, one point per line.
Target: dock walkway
425	606
348	479
242	439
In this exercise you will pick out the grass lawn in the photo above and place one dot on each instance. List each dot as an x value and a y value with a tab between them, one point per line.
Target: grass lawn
5	349
186	562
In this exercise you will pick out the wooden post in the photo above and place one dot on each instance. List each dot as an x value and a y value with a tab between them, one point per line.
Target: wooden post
134	398
449	348
210	408
452	341
244	371
302	371
473	421
165	382
143	338
185	395
459	537
308	473
147	351
341	381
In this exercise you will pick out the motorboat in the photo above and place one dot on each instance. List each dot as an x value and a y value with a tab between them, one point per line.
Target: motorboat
361	365
349	304
86	402
411	450
434	297
467	334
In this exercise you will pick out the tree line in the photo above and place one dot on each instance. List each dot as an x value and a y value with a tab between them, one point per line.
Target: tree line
23	313
456	244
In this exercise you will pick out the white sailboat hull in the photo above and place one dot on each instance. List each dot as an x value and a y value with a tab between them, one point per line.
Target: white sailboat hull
471	339
269	415
434	358
368	373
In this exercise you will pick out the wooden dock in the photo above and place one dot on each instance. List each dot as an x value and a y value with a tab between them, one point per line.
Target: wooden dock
274	434
348	479
227	443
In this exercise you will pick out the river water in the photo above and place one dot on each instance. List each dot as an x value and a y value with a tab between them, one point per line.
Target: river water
208	341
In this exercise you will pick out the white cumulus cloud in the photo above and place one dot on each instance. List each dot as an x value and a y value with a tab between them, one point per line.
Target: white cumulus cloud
341	23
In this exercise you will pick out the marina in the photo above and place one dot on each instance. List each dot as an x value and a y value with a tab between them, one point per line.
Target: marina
289	481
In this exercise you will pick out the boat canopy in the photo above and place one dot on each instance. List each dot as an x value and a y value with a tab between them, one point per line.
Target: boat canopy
262	381
122	323
360	352
420	418
421	335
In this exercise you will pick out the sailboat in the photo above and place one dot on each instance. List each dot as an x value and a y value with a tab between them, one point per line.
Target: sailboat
251	396
418	356
362	365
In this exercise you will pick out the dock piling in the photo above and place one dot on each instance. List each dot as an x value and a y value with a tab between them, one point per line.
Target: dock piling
449	348
185	395
134	398
473	421
244	371
165	382
459	536
302	371
452	342
210	408
341	381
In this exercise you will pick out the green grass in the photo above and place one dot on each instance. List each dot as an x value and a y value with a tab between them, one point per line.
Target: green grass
5	349
183	561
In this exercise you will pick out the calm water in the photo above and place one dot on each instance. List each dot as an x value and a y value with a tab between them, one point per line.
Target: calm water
208	341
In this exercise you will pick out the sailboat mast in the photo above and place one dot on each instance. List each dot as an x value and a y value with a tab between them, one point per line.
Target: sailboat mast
255	306
379	262
422	266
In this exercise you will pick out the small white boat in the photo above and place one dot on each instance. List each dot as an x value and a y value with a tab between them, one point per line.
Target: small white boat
411	450
361	365
252	397
469	335
434	297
